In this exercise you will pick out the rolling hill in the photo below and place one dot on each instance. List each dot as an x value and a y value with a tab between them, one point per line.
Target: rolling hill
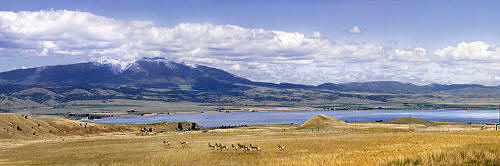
16	126
321	121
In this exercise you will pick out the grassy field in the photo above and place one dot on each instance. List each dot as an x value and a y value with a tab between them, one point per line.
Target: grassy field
348	145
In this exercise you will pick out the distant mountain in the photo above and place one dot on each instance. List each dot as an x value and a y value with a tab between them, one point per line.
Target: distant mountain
159	72
395	87
160	79
144	72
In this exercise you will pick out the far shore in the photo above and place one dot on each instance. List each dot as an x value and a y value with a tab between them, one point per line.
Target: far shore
271	109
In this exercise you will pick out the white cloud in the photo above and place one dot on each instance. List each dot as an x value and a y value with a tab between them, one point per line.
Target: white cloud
476	50
355	30
258	54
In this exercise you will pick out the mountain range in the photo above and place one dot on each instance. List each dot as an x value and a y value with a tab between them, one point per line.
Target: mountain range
160	79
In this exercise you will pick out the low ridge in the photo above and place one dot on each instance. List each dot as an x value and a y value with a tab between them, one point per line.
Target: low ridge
15	126
409	121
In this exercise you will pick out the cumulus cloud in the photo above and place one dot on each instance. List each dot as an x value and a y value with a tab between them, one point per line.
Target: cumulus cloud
258	54
477	50
355	30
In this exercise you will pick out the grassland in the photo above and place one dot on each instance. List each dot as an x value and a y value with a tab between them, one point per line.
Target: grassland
348	144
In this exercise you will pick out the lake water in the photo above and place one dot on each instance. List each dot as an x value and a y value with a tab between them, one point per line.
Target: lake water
299	117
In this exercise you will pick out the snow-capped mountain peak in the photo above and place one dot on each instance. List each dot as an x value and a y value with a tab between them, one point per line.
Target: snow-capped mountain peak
116	64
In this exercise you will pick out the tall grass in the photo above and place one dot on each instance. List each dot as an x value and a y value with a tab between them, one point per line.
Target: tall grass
303	147
474	154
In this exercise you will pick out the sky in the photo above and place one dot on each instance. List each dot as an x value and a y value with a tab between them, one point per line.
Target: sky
306	42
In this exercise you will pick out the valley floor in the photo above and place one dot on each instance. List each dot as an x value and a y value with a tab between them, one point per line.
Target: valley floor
359	144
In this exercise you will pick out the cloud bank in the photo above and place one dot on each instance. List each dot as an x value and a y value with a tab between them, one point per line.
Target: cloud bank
257	54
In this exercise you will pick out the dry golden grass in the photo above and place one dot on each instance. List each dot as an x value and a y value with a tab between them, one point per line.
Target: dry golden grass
474	154
334	146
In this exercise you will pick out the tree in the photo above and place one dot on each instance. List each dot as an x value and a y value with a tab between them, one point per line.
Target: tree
179	126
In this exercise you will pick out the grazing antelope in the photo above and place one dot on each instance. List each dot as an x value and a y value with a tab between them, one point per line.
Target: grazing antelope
243	147
281	147
234	147
167	143
211	146
254	148
183	143
218	146
224	147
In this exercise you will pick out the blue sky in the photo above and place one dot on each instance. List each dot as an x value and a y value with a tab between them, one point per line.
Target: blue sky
427	23
465	27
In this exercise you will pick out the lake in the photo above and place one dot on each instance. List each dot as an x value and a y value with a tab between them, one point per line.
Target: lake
299	117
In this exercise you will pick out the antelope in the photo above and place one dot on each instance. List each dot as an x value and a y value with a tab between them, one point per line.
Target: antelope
183	143
254	148
167	143
224	147
243	147
281	147
234	147
211	146
219	146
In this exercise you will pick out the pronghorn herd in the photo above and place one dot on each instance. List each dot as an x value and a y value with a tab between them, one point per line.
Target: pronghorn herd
218	147
221	147
237	147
